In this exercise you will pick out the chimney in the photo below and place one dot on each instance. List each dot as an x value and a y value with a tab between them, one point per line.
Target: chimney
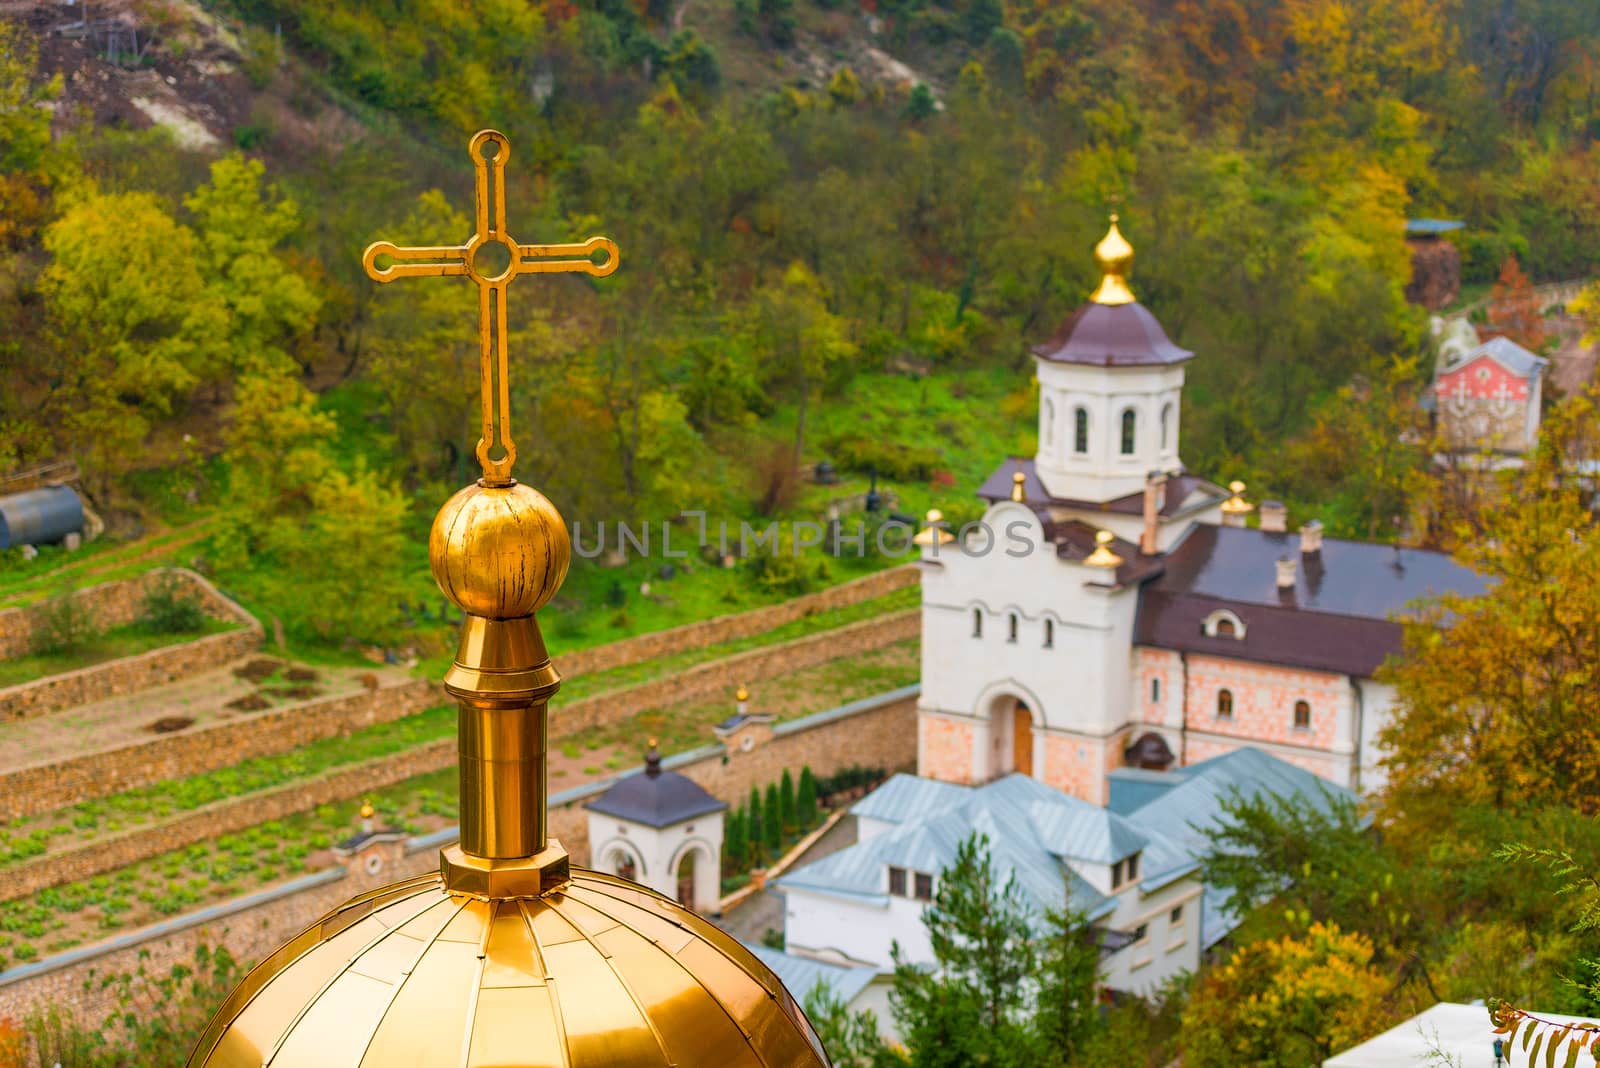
1155	494
1274	517
1286	569
1311	537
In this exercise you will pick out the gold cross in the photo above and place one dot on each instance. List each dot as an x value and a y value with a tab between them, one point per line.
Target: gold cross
476	260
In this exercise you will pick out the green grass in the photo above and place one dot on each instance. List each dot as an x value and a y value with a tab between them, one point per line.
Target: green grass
128	640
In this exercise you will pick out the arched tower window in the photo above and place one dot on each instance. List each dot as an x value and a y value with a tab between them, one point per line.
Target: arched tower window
1080	431
1049	633
1155	691
1166	426
1049	414
1130	426
1302	714
1225	703
1011	627
977	622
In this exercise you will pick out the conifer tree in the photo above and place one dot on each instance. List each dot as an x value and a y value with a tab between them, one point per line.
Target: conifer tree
772	822
755	833
786	803
735	846
806	803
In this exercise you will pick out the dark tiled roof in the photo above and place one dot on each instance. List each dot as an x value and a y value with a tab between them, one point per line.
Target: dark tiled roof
658	799
1112	335
1352	578
1074	540
997	487
1341	616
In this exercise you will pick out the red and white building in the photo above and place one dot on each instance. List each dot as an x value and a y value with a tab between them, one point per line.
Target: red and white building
1488	397
1183	636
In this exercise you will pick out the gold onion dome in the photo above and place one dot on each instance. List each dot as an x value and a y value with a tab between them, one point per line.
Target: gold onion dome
506	957
1115	257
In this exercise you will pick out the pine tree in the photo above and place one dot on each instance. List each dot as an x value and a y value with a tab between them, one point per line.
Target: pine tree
772	822
806	804
786	805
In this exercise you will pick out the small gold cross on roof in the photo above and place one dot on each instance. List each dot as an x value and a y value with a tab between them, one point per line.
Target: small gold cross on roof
477	260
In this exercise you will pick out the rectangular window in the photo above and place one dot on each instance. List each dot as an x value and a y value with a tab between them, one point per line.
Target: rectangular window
1132	867
1175	917
1116	875
924	887
1141	932
1155	691
897	882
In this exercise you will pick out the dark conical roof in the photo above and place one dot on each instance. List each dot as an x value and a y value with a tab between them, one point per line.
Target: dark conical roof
1112	335
655	797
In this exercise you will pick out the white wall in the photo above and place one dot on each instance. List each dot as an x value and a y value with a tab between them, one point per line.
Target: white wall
1377	703
1103	473
854	930
658	853
1080	683
1167	948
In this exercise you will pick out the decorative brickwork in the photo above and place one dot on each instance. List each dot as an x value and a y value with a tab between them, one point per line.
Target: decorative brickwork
1077	765
946	748
1263	701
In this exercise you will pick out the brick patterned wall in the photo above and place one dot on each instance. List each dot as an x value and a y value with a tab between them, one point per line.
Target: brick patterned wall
1081	776
735	626
1263	701
42	787
946	747
1161	666
116	604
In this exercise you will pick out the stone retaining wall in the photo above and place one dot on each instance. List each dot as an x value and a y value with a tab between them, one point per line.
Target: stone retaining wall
118	603
876	732
724	675
737	625
272	731
114	604
43	787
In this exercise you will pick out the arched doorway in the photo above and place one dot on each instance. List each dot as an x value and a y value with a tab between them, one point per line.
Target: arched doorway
1010	737
622	863
686	879
1022	739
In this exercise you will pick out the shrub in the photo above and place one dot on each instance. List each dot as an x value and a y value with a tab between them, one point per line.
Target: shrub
897	462
170	609
63	624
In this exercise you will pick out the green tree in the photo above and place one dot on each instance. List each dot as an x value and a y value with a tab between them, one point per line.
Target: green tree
735	843
806	802
757	830
772	823
851	1038
786	803
997	992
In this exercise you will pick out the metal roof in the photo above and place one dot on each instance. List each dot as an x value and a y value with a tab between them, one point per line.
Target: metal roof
656	798
1431	227
802	975
1084	832
1505	352
1112	335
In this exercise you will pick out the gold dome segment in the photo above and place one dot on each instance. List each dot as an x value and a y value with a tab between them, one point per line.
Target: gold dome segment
506	957
1115	258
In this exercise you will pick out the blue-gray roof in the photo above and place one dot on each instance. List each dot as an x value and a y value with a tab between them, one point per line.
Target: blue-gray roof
801	975
1431	227
1178	818
1034	829
1508	354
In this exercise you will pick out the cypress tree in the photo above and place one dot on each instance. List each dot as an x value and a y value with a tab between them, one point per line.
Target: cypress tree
735	846
755	834
791	821
772	823
806	804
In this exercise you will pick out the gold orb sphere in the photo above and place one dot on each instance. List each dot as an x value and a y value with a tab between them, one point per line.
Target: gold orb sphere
500	552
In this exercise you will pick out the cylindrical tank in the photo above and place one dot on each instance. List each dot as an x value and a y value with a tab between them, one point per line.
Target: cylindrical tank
40	516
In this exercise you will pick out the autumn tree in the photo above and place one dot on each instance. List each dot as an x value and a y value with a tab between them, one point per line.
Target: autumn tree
1514	308
1285	1002
1496	693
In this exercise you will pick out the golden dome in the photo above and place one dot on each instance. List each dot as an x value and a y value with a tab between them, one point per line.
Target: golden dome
1115	257
742	693
499	552
1236	505
600	972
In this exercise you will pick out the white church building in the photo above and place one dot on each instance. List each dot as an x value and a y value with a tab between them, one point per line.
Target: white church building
1114	610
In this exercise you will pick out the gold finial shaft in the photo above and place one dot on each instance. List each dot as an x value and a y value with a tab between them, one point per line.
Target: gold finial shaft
476	259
